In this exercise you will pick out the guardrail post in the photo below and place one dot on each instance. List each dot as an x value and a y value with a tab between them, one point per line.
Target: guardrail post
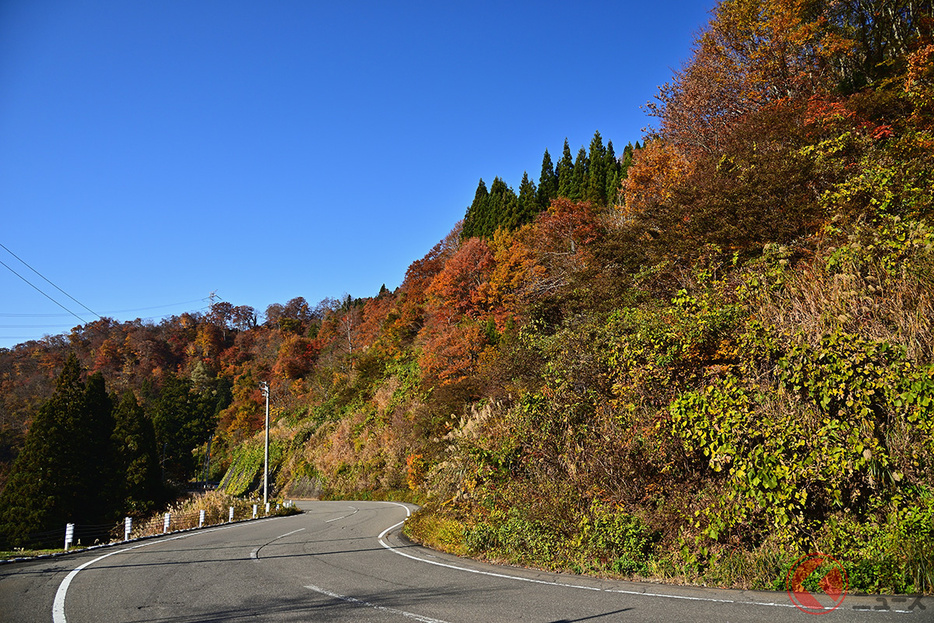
201	518
165	522
127	528
69	535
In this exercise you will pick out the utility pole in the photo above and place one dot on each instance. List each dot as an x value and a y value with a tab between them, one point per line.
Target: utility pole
265	387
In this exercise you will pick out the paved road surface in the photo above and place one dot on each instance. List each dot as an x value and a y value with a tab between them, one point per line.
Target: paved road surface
345	561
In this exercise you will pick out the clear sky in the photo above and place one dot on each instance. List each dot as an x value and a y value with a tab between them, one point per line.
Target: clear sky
152	153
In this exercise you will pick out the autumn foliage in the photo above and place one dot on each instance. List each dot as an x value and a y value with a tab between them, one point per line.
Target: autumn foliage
695	361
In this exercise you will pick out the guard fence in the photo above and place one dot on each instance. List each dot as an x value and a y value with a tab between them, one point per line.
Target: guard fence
73	535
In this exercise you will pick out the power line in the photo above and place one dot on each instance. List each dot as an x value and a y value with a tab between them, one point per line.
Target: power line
33	326
106	313
43	293
47	281
123	311
2	315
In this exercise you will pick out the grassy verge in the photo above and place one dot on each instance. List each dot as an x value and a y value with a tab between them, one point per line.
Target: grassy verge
606	543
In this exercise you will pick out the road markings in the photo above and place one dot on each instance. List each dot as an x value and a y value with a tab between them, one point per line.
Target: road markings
254	553
477	571
360	602
58	605
382	541
343	516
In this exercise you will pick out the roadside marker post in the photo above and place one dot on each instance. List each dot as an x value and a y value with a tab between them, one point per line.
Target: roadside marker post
69	535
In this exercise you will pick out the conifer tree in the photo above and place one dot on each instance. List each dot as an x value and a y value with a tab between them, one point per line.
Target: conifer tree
579	176
476	212
503	208
564	171
612	174
97	494
595	190
528	205
183	420
627	160
547	182
65	472
137	457
498	188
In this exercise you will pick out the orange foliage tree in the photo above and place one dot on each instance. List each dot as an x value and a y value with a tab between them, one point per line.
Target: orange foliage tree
460	289
297	356
515	276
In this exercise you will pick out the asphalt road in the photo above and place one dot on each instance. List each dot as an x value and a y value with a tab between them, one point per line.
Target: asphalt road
345	561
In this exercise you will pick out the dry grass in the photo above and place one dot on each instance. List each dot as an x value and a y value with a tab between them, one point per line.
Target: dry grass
186	513
863	300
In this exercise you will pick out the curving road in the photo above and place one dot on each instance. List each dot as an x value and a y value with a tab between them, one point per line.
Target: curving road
345	561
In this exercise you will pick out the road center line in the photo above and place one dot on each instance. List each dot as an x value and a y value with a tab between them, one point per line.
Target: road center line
254	553
360	602
343	516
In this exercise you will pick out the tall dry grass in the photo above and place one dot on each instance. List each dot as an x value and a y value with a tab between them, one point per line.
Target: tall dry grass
872	298
185	514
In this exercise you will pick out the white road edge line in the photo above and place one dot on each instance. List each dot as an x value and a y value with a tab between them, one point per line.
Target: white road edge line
58	605
360	602
254	553
408	513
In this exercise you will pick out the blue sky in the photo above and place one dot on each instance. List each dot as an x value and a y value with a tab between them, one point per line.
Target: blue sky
152	153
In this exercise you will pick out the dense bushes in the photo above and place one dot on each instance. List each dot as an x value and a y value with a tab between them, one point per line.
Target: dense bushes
734	367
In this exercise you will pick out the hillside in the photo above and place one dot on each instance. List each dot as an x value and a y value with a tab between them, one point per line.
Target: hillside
720	366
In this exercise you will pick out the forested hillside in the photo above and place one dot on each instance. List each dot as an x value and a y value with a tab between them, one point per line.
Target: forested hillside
697	360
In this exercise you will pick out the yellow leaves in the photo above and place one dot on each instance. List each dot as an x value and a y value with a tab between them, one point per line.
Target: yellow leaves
657	170
919	85
516	271
416	470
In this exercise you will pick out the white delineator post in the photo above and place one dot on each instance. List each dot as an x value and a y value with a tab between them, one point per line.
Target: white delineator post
254	511
127	528
165	522
230	518
69	535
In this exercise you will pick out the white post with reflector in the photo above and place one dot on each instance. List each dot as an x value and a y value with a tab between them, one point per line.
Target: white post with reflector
69	535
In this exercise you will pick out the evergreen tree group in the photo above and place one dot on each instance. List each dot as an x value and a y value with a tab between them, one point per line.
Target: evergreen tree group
86	460
593	176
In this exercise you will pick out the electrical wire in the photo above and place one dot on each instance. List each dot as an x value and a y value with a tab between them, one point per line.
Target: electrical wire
33	326
123	311
70	312
49	282
43	293
106	313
